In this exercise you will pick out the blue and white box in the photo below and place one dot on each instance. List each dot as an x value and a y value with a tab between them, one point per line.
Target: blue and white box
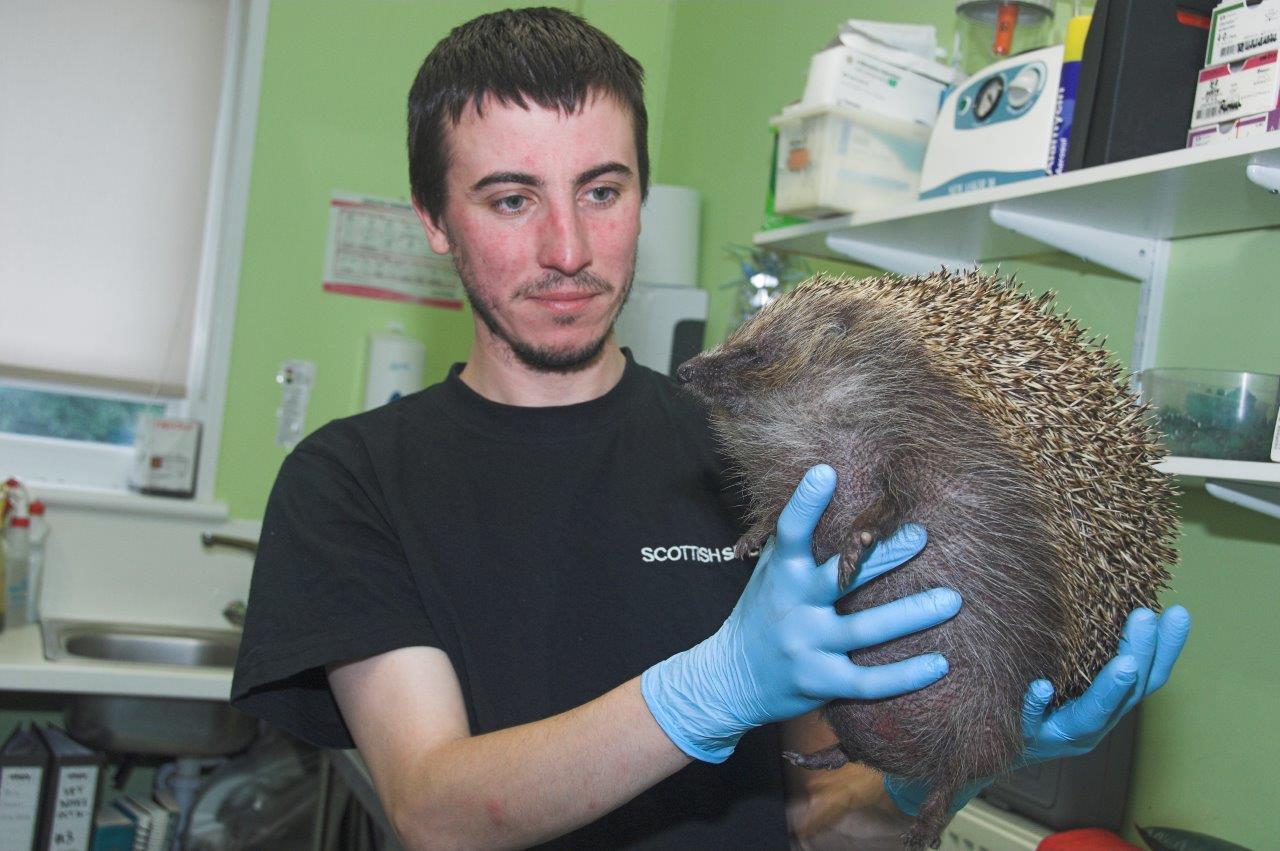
996	127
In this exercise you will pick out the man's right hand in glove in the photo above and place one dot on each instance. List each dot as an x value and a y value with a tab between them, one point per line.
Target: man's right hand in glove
783	650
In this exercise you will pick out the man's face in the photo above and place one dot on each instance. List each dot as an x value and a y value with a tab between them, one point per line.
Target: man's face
542	216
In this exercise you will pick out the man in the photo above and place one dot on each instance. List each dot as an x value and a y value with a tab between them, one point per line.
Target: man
515	592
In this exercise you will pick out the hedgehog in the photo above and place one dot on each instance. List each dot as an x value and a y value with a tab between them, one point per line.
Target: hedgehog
959	402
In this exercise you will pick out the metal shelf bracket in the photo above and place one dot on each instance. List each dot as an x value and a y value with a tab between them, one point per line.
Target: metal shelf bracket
1264	170
899	260
1128	255
1263	498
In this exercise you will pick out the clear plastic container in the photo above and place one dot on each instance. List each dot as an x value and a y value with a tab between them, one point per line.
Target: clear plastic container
1214	414
988	31
835	159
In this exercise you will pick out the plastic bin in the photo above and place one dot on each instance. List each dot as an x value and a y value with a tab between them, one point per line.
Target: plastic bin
842	160
1213	414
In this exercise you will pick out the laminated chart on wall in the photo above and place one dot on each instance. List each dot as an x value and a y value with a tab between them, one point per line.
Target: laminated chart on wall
376	248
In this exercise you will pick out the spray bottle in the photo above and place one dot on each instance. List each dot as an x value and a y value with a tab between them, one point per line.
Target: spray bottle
35	563
17	556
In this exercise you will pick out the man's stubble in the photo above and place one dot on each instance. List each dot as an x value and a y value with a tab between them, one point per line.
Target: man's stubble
545	358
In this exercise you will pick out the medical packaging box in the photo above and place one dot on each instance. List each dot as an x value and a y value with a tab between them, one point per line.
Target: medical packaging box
863	78
1241	29
1240	128
1234	90
996	127
834	159
166	453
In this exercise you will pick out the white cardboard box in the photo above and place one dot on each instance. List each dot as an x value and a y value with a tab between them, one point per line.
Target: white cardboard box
862	78
166	454
1233	90
843	160
1239	128
995	127
1239	30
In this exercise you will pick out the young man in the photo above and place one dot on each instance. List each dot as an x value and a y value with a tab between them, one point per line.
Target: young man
515	592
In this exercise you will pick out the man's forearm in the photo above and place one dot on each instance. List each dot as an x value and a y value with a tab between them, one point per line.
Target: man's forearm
524	785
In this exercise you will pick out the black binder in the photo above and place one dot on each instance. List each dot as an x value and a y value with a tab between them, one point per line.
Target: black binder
70	792
1137	79
24	762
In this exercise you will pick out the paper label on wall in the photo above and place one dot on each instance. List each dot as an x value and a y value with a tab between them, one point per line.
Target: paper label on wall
376	248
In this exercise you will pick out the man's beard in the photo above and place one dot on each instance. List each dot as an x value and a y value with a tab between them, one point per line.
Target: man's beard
545	358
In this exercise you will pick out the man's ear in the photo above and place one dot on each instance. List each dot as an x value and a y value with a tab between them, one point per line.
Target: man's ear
437	236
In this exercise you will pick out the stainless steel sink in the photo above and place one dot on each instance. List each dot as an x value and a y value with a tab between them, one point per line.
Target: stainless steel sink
137	643
150	725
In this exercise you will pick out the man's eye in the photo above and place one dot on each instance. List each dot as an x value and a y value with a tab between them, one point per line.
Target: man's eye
602	195
510	204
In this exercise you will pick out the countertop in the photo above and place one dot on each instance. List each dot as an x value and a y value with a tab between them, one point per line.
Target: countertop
24	668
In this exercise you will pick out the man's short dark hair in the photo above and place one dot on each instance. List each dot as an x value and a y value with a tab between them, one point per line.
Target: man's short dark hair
549	56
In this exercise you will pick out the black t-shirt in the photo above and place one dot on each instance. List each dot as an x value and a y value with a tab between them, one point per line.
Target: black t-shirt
552	553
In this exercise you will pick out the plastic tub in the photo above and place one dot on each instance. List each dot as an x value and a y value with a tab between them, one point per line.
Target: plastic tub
843	160
1213	414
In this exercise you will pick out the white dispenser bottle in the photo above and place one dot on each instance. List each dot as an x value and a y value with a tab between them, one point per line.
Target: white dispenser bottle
394	366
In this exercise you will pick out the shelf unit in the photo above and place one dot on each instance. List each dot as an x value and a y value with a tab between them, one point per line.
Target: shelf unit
1120	216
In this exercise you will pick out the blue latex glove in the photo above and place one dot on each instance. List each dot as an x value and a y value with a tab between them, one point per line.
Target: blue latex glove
782	651
1149	647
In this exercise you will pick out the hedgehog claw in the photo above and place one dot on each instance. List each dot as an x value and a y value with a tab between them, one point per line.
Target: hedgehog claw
849	566
825	759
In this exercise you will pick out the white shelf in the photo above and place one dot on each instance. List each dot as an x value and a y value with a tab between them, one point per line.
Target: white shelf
1190	192
1119	215
1210	468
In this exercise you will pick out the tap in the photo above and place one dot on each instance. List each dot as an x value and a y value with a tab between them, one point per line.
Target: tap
234	613
208	539
234	610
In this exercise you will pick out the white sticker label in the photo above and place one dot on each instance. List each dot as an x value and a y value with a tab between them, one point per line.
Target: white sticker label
19	804
73	807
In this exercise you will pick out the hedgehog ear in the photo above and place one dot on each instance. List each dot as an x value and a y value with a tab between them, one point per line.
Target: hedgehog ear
835	327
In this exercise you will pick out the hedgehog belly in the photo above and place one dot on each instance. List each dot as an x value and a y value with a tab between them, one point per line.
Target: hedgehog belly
965	726
968	724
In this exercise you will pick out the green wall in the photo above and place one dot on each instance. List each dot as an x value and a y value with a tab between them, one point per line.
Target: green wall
334	82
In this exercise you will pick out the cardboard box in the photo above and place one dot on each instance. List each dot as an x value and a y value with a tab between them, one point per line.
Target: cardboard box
1234	90
166	452
996	127
843	160
1238	30
1240	128
865	78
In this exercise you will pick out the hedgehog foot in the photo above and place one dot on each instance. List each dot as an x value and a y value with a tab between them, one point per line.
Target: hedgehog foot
827	758
933	816
752	540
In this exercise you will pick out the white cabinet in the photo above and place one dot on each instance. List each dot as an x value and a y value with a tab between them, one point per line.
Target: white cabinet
1120	216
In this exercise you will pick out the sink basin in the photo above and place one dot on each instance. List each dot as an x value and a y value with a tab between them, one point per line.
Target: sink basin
136	643
150	725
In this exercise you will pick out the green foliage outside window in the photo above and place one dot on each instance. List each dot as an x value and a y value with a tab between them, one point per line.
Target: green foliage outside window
71	417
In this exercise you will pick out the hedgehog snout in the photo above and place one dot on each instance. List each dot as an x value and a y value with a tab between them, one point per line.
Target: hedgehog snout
704	377
687	371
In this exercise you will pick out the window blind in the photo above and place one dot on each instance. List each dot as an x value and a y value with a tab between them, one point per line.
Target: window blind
107	117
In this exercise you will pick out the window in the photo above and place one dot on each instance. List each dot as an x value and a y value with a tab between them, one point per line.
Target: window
124	154
69	416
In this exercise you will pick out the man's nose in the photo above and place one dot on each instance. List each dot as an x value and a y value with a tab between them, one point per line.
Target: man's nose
564	246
